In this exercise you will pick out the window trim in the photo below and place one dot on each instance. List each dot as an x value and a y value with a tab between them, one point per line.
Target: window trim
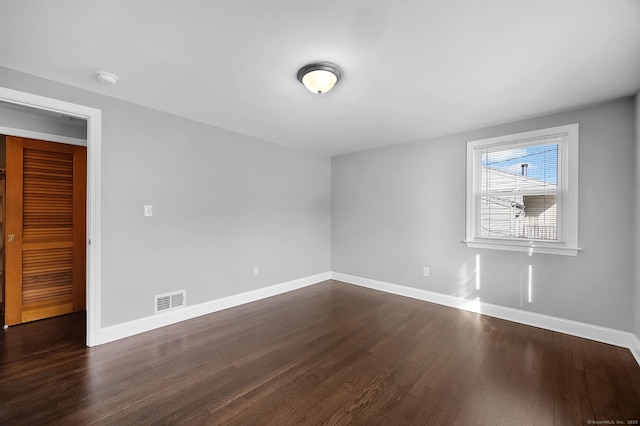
567	243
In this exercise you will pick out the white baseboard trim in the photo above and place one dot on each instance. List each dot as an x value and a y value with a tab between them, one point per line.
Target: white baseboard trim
574	328
130	328
635	348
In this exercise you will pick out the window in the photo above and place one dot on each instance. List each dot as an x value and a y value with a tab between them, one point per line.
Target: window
522	192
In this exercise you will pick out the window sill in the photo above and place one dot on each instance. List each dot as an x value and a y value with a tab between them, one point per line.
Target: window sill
527	247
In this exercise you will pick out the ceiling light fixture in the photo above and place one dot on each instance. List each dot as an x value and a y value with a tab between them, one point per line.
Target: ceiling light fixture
107	77
319	77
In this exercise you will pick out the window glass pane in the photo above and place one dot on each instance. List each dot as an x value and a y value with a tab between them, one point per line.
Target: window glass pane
518	216
526	168
506	214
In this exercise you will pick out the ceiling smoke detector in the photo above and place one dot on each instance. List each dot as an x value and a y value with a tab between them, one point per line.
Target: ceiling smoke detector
107	77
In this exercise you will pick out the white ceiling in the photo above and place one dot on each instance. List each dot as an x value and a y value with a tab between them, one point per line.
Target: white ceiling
411	69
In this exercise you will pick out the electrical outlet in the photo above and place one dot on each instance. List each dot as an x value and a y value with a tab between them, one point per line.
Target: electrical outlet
425	271
256	270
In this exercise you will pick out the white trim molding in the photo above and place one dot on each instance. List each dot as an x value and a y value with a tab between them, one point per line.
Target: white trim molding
130	328
635	348
574	328
42	136
93	143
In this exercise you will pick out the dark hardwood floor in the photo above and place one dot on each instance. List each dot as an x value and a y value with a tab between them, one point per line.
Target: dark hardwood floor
326	354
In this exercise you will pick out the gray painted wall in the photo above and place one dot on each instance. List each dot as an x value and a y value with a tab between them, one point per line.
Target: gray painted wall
222	203
636	300
19	117
397	209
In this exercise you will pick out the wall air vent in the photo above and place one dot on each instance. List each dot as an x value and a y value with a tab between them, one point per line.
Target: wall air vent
169	301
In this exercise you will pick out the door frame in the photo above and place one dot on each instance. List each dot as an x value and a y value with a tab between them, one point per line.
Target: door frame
93	234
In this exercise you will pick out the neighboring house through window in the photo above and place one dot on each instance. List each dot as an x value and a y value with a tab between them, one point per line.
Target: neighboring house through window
522	191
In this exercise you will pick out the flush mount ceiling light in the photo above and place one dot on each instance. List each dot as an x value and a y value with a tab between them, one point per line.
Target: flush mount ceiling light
319	77
107	77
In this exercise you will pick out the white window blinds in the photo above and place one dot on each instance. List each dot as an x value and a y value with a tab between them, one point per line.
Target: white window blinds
519	192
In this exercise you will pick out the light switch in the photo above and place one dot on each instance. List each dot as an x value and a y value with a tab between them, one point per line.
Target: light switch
148	210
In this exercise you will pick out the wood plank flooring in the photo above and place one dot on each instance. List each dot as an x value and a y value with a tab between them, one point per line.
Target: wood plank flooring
332	354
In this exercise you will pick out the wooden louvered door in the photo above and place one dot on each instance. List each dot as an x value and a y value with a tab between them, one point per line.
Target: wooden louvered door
45	229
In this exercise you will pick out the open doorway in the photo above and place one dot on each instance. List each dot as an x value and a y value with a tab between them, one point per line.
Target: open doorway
37	104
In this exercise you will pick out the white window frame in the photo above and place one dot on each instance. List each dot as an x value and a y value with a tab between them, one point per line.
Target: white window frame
567	242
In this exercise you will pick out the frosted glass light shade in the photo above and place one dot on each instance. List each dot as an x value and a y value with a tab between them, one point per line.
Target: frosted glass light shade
319	81
319	78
